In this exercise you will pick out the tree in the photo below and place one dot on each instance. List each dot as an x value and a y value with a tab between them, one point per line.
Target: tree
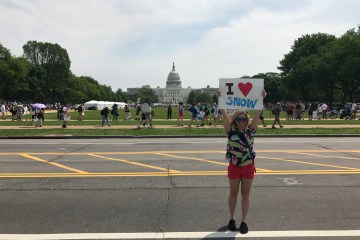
146	94
106	93
13	75
120	96
191	97
297	66
325	73
33	92
273	84
92	88
196	96
204	98
54	60
74	91
336	67
348	53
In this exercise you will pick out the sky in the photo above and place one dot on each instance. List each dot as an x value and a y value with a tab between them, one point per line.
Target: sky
132	43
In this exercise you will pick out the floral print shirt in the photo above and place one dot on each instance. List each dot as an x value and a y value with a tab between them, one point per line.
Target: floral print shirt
237	151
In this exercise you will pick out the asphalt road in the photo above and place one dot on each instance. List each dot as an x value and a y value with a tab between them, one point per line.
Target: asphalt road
164	186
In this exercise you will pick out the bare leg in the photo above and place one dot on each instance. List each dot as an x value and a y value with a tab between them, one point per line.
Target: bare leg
234	191
245	197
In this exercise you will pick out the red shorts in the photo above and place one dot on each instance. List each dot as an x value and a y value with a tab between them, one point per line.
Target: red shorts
238	172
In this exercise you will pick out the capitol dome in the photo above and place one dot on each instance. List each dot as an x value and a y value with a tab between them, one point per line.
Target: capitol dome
173	80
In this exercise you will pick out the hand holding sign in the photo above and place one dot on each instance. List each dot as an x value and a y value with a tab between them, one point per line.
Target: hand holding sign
241	93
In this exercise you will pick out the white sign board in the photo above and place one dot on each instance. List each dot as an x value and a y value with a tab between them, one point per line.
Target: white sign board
241	93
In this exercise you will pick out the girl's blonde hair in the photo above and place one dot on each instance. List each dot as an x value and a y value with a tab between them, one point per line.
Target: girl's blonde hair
236	114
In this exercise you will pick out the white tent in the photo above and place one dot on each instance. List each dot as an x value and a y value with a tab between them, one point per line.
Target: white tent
101	104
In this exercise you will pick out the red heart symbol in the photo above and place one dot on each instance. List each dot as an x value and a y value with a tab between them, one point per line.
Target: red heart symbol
245	88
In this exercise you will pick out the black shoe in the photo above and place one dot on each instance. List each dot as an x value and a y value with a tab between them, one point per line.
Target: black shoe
273	127
232	225
243	228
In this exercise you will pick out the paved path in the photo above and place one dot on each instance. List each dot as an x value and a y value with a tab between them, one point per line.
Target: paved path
169	126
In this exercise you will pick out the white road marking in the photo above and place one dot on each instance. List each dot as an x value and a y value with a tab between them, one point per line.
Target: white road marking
184	235
291	181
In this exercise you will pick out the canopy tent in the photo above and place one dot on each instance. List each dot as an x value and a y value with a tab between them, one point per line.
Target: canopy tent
102	104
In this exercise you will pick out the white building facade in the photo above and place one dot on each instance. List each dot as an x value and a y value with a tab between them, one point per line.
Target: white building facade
173	92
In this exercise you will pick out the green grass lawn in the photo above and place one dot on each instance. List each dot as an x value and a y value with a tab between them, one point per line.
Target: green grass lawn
93	118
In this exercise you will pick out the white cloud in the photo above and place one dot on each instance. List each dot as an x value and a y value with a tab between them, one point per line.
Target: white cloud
132	43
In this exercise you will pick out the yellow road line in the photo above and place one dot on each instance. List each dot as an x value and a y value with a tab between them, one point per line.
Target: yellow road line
127	173
110	153
313	151
191	158
309	163
164	174
307	170
134	163
203	160
175	152
52	163
324	156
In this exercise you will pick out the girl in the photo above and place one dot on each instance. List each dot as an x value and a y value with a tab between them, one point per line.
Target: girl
239	152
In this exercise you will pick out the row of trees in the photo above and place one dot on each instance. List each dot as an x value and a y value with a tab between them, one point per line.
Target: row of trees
43	74
323	67
319	67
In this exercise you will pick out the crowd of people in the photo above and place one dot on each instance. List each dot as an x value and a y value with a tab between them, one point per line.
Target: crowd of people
200	114
17	110
300	110
20	112
144	114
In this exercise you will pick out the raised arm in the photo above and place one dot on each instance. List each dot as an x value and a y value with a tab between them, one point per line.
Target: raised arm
255	121
225	119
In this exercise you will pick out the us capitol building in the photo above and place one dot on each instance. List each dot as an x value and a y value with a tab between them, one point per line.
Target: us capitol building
173	92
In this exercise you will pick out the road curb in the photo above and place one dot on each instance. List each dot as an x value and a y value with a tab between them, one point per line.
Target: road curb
181	136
